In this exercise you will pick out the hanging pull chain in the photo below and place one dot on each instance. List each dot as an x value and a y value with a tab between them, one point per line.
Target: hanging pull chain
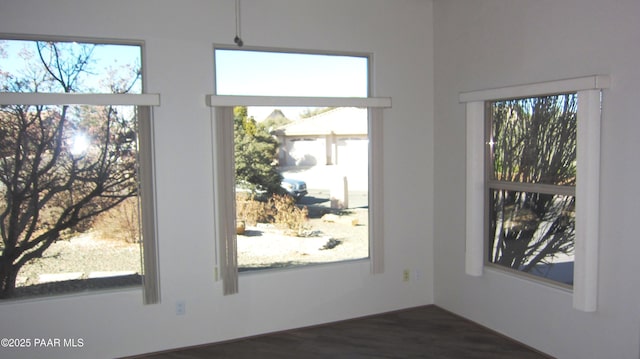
237	39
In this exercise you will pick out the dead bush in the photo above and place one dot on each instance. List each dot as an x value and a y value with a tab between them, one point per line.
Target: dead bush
288	216
121	223
252	211
280	210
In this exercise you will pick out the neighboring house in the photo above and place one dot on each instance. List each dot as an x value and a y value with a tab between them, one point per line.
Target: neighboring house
335	137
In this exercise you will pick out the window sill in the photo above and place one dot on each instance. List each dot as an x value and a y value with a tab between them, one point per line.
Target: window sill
529	278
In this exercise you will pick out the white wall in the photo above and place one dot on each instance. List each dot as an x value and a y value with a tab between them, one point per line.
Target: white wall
179	38
483	44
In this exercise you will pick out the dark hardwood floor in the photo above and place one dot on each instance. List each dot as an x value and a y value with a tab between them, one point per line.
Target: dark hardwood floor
423	332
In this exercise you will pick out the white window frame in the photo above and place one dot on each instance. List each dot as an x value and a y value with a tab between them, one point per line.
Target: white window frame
588	88
224	172
145	103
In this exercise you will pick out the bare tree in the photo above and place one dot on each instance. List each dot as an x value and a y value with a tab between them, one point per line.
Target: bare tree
60	166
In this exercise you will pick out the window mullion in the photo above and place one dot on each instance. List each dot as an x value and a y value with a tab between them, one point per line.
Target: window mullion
532	187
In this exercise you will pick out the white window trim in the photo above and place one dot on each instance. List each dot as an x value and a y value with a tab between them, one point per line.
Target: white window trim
224	172
151	279
43	99
588	88
232	100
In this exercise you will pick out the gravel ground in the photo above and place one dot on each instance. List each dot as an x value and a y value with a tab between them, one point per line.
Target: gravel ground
79	264
266	247
86	256
84	262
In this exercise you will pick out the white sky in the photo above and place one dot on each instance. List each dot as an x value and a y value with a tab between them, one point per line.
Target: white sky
242	72
259	73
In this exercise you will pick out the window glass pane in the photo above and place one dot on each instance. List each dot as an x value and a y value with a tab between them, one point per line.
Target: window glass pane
534	139
301	185
69	212
69	187
74	67
263	73
533	233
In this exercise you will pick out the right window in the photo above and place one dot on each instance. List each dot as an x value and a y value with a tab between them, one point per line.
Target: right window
533	183
531	178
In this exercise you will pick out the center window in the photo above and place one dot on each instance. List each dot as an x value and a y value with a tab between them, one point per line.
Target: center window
301	173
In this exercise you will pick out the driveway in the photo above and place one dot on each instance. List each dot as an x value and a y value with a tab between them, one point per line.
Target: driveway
320	179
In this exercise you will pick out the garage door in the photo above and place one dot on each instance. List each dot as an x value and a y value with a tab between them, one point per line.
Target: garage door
306	152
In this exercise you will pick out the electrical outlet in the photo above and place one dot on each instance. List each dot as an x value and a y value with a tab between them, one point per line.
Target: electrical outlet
405	275
181	307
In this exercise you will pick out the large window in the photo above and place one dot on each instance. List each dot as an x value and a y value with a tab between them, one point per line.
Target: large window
533	156
75	162
306	171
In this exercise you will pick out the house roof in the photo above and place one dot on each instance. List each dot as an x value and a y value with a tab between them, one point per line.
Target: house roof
339	121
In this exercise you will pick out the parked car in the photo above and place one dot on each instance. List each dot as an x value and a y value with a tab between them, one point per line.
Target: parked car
296	188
